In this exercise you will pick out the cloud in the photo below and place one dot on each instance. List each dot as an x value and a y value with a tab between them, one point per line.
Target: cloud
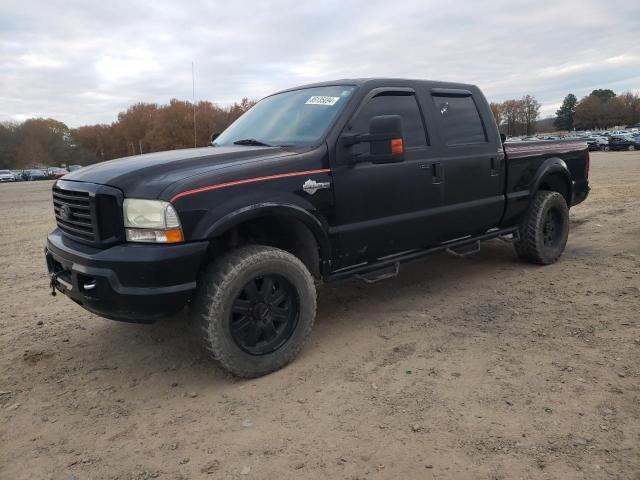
83	62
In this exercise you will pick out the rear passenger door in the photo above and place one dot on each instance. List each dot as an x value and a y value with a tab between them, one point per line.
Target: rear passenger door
471	161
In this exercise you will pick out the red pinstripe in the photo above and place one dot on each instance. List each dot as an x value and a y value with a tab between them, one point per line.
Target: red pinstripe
246	180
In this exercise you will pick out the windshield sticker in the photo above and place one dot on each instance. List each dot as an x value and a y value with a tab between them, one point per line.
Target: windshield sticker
321	100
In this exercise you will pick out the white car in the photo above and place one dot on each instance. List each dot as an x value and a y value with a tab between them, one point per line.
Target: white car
6	176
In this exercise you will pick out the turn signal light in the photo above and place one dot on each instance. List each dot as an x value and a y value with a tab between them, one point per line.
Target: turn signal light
170	235
397	147
174	235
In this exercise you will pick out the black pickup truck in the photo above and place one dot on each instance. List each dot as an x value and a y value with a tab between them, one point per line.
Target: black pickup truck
316	183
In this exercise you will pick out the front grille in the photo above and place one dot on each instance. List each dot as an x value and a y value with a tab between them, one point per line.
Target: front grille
74	214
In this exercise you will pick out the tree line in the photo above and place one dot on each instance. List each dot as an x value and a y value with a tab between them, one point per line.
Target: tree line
517	117
601	109
142	128
149	127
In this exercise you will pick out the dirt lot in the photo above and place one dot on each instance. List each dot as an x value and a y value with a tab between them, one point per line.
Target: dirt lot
480	367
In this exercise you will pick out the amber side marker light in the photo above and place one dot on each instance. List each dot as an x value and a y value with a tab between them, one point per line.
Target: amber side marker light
397	148
174	235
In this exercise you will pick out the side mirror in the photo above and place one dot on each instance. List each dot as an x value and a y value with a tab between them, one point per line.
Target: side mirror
385	139
214	135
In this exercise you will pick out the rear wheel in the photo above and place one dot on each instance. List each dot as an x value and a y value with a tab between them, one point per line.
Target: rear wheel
631	148
544	229
254	308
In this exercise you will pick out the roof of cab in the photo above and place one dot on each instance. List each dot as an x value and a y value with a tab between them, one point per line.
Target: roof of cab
384	82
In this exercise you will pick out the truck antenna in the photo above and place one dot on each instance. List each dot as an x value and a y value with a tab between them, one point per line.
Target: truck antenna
193	85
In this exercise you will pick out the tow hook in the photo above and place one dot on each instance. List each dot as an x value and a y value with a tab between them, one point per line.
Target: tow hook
52	284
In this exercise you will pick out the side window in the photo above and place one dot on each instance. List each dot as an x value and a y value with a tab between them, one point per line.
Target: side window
458	120
389	104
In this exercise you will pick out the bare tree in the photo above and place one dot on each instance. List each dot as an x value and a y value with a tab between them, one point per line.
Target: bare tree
496	109
530	113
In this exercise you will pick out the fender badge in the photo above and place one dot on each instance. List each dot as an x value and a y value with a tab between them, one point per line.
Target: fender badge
311	186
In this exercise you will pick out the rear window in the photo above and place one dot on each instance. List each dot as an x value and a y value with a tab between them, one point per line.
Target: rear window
458	119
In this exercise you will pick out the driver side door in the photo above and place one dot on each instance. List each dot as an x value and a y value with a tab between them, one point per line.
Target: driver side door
382	208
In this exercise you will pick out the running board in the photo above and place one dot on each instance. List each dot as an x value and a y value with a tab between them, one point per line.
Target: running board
394	261
382	274
464	250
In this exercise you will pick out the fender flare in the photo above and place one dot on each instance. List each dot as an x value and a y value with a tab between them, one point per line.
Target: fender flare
317	226
553	165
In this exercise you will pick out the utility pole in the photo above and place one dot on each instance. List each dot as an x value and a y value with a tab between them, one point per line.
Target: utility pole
193	85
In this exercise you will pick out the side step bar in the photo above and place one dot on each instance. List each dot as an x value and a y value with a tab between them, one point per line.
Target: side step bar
379	270
464	250
377	275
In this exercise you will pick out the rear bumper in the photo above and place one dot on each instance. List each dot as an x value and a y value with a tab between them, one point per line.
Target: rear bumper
581	191
128	282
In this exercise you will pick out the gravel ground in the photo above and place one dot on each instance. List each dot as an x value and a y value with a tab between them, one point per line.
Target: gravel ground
480	367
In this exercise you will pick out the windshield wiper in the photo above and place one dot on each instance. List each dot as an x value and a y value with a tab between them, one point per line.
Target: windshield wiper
251	142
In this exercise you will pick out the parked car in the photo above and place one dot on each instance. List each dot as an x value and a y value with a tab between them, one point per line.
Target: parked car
623	143
327	181
598	143
619	133
34	174
55	172
6	176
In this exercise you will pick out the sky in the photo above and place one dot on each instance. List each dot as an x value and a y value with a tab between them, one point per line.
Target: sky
82	62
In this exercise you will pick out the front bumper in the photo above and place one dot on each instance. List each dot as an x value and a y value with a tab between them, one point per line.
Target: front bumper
128	282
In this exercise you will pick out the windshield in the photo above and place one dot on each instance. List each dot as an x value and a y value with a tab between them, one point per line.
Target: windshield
298	117
4	172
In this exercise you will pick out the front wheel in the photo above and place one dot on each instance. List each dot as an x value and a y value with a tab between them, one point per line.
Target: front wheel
631	148
544	229
253	309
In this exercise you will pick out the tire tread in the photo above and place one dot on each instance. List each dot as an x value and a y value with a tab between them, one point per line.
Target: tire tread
528	246
211	292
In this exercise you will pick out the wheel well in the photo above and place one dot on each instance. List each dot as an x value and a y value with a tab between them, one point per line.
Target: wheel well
556	182
286	233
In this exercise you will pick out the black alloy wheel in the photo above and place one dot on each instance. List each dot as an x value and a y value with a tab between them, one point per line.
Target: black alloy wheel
552	228
544	229
253	309
264	314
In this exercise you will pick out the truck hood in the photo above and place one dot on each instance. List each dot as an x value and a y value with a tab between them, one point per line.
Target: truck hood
146	176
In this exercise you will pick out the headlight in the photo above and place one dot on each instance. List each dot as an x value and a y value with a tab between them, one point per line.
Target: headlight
151	221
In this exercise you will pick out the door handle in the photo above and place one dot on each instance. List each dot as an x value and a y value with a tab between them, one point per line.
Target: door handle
436	172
